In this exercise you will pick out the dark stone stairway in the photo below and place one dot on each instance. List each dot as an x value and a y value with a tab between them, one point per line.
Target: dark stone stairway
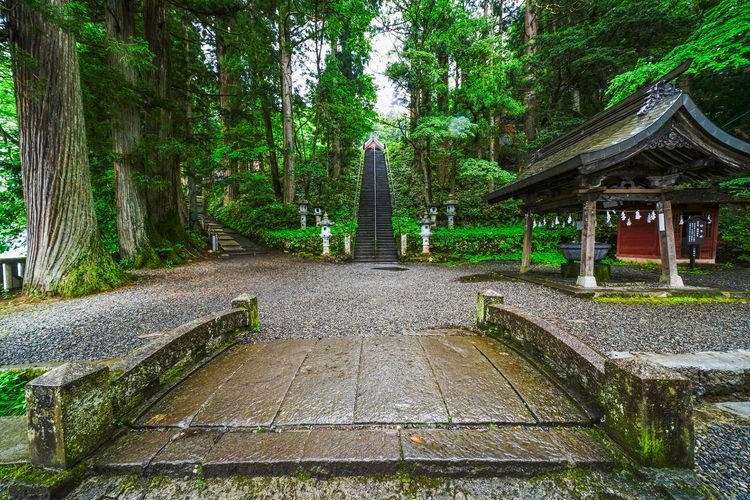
375	241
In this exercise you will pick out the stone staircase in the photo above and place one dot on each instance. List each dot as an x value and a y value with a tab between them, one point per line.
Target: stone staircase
231	242
375	241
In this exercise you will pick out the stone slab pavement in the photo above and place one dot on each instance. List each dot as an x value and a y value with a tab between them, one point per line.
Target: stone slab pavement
738	408
410	380
449	403
14	447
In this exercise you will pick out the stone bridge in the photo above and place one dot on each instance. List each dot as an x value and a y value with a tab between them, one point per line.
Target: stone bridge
447	402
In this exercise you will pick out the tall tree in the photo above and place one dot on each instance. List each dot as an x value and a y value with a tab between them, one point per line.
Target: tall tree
229	100
531	30
287	127
65	254
165	202
345	95
719	44
132	220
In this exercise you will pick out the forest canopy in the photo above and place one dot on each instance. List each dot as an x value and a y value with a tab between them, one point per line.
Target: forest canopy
254	105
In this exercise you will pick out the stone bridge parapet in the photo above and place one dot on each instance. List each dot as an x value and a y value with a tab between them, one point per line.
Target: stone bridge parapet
645	408
72	409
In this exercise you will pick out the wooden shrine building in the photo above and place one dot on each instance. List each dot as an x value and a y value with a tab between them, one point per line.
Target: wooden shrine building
374	143
635	161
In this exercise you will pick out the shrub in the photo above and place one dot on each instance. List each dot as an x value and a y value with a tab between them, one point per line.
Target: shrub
488	243
12	395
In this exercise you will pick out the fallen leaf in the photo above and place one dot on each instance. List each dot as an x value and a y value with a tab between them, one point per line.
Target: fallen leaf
157	418
417	439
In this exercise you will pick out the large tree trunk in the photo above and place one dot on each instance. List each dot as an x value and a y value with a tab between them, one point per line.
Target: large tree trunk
193	184
165	201
531	29
65	254
271	143
285	58
228	83
135	244
336	155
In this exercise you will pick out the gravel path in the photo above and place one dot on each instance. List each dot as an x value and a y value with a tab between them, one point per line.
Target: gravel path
722	451
300	298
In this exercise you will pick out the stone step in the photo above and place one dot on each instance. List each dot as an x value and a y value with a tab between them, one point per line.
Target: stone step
14	441
325	451
232	243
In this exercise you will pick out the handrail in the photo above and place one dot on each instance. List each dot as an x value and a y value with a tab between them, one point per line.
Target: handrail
356	191
394	206
375	196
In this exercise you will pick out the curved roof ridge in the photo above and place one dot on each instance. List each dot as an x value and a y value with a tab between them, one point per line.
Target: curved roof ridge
630	135
610	115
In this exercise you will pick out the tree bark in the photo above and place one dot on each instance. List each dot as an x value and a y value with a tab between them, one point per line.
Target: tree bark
285	58
65	253
273	162
189	165
531	29
336	155
228	83
135	244
165	201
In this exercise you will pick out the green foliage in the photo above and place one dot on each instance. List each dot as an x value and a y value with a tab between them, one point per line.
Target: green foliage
734	225
440	127
252	221
12	395
12	399
12	212
308	242
489	243
486	170
718	44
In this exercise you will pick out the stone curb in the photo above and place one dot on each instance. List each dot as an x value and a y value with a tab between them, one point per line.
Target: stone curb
713	373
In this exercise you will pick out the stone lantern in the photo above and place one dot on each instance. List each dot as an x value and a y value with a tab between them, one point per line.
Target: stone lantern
318	212
450	210
325	233
426	232
433	215
302	214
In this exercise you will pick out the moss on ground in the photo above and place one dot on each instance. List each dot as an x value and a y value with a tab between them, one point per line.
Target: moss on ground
94	273
669	300
30	474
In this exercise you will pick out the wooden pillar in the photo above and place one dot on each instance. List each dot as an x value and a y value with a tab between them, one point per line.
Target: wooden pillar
526	254
667	249
586	277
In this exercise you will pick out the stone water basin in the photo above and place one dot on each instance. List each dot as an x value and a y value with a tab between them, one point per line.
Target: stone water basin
572	251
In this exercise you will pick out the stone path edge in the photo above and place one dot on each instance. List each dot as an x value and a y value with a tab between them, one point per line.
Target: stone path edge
326	452
576	291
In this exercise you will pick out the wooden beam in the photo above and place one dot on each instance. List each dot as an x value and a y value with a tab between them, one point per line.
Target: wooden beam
651	198
669	274
703	196
526	253
633	191
586	277
568	200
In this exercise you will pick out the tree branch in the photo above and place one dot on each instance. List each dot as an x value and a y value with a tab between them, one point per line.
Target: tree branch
7	137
